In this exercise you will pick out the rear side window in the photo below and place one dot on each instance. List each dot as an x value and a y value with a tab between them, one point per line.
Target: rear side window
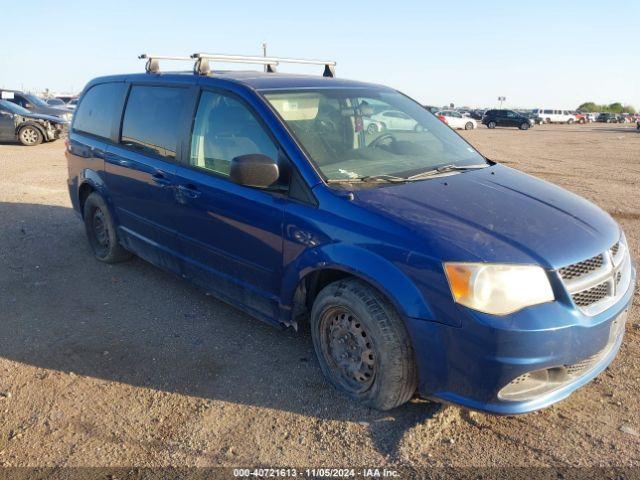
98	109
152	119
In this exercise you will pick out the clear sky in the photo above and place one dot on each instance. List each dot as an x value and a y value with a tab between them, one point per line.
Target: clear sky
536	53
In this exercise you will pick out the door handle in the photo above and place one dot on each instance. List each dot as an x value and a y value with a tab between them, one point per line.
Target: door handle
160	179
189	191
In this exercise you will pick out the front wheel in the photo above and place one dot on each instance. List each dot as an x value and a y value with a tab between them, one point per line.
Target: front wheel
524	126
30	136
101	231
468	126
362	345
491	125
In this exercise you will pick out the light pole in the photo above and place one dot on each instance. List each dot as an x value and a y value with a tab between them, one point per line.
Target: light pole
501	99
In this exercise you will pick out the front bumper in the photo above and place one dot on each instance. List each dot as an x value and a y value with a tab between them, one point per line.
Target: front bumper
471	364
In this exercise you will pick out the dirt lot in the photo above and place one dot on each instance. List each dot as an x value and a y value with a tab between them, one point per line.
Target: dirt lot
127	365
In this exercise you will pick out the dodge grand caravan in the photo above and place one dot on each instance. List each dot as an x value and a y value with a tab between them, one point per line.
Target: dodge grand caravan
419	265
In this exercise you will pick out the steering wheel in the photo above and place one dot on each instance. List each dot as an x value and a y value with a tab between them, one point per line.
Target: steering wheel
385	137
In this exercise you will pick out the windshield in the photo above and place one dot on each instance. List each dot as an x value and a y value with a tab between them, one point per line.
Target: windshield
355	134
36	100
13	108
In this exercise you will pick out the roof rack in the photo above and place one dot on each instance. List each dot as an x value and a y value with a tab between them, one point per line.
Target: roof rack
270	62
201	65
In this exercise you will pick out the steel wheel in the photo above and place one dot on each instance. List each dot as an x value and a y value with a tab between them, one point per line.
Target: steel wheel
372	129
30	136
100	230
348	349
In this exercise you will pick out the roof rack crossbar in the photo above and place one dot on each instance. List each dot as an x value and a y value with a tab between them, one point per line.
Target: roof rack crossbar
153	66
270	62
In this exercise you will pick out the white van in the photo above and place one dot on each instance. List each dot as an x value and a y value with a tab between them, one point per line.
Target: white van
554	116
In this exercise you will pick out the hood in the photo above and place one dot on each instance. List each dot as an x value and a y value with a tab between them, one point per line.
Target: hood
55	111
496	214
48	118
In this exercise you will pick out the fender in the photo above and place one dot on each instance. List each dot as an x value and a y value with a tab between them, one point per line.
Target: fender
34	124
361	263
91	177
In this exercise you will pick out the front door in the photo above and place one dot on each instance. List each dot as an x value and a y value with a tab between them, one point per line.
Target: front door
7	125
230	235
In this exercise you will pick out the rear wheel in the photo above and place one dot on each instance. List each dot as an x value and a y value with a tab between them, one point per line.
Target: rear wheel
491	125
362	345
101	231
30	136
468	126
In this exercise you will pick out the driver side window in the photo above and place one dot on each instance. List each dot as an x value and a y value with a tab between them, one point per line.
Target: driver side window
225	128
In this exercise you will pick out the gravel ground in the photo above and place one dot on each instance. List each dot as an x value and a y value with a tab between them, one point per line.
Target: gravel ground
126	365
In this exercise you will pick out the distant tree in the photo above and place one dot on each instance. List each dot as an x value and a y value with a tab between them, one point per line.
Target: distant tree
615	107
589	107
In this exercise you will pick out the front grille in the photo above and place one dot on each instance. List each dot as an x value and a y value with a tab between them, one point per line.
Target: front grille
581	268
615	248
598	282
582	366
591	296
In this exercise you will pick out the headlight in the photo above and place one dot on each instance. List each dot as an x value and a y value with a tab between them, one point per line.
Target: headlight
498	289
67	116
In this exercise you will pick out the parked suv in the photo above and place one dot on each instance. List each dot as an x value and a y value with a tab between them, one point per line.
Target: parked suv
506	118
418	263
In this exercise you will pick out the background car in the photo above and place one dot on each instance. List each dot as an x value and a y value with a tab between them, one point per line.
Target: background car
396	120
17	123
56	102
36	105
606	117
458	120
554	116
506	118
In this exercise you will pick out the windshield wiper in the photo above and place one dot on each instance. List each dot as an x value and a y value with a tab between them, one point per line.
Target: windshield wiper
444	169
369	179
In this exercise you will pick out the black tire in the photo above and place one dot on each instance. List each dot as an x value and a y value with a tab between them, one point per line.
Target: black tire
468	126
30	136
570	121
101	231
491	125
524	126
355	325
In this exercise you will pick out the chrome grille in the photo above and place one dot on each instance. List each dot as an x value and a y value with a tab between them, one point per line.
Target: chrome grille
591	296
615	248
581	268
598	282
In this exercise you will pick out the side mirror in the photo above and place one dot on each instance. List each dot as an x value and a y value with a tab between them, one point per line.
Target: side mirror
254	170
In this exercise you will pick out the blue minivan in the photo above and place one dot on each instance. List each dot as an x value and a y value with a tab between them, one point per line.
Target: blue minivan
419	265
